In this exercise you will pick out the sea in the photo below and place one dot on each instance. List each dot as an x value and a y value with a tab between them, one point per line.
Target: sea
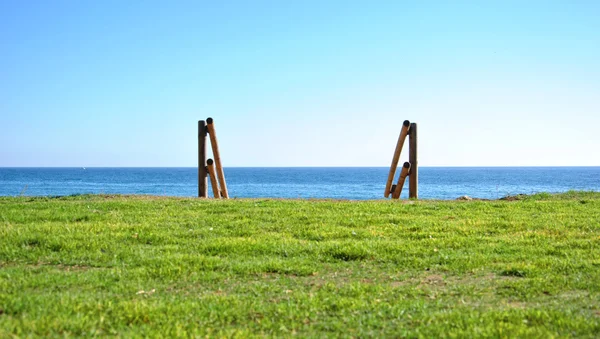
355	183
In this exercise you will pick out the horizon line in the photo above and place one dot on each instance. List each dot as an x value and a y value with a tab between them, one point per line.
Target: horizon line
422	166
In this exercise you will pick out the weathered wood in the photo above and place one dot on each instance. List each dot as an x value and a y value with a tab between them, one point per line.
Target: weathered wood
413	177
213	178
405	128
398	190
215	148
202	180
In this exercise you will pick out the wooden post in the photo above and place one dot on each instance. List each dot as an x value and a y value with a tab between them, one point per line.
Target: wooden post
213	179
202	182
215	148
398	190
413	182
405	128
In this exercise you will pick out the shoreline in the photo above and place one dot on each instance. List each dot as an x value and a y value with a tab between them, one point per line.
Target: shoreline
514	197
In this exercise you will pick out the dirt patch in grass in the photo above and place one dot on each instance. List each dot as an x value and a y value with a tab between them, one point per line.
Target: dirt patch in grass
75	268
60	267
65	267
434	279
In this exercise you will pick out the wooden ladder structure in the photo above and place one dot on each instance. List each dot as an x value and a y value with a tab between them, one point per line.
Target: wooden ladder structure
410	169
209	167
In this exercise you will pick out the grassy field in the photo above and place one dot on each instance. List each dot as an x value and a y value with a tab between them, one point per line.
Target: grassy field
149	266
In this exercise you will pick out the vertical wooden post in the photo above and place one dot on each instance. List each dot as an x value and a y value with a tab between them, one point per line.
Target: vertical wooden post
215	148
405	130
398	190
202	180
413	181
213	178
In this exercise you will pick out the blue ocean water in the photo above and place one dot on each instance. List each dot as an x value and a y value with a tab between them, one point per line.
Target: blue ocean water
300	182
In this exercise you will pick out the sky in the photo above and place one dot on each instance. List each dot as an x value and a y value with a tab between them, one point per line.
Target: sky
299	83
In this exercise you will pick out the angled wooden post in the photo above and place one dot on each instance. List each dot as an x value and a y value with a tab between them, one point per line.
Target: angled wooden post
215	148
202	182
405	128
413	179
213	178
398	190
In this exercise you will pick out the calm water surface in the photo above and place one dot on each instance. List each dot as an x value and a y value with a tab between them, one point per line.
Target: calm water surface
299	182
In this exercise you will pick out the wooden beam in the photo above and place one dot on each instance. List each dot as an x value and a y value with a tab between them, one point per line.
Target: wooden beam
202	182
403	132
413	181
213	178
215	148
398	190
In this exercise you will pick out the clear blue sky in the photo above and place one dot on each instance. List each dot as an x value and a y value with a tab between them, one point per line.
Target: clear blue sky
299	83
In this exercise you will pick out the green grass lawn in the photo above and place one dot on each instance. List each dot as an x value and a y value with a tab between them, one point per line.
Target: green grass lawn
150	266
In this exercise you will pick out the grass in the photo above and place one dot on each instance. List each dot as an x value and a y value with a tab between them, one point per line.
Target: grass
149	266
